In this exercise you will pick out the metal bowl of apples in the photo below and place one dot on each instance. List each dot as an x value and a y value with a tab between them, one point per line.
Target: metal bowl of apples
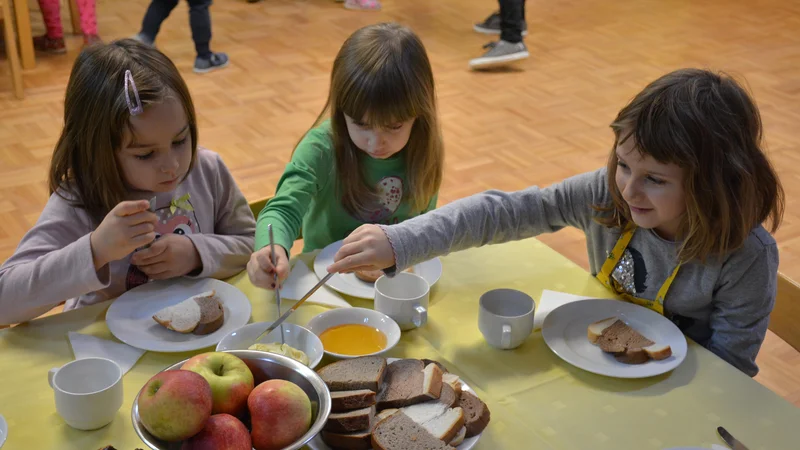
264	367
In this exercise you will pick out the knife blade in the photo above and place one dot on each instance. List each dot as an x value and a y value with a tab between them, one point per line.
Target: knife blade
730	440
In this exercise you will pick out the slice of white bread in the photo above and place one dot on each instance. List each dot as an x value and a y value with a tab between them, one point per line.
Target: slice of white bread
354	374
658	351
436	417
351	421
399	432
182	317
342	401
408	382
596	329
459	439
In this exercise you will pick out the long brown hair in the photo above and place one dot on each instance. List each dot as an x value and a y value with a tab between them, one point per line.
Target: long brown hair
707	124
382	72
84	167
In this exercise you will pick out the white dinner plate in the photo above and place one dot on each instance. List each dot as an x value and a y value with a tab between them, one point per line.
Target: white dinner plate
3	430
318	444
349	284
565	332
130	317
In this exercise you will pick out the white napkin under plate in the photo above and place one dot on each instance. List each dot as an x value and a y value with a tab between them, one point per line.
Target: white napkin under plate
85	346
301	280
551	300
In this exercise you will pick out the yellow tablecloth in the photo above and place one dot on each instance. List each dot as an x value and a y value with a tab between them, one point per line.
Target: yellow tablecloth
537	401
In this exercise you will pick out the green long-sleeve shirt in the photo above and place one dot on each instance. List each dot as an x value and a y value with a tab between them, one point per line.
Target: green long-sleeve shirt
307	196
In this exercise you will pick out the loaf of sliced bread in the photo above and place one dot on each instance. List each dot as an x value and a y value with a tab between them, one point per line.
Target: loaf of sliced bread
342	401
354	374
408	382
212	314
476	413
399	432
350	421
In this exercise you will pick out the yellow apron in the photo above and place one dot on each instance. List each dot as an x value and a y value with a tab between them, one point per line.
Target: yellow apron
611	263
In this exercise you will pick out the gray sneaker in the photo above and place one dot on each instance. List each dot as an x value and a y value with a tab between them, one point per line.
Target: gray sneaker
492	25
143	39
216	61
500	53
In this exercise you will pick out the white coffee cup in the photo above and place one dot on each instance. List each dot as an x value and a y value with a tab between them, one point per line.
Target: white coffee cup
88	392
404	298
505	317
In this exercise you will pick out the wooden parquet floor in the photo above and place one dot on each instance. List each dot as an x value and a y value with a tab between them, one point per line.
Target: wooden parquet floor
538	123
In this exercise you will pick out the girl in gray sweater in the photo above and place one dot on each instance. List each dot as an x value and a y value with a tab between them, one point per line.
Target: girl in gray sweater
673	223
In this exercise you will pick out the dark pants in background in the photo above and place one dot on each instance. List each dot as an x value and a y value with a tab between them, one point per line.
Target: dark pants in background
199	21
512	17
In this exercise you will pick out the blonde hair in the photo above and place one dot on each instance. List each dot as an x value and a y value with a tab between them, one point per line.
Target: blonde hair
84	166
708	125
382	73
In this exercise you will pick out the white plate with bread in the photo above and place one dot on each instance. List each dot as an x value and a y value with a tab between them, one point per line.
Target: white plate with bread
614	338
392	404
178	315
362	284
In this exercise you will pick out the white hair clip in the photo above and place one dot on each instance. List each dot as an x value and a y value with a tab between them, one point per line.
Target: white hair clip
135	108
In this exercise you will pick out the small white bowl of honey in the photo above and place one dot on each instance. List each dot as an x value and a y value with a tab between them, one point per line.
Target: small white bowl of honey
353	332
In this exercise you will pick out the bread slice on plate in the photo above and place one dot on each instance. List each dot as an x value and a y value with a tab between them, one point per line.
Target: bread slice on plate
460	436
342	401
476	413
199	314
440	420
357	440
596	329
399	432
658	351
625	343
354	374
409	381
351	421
212	314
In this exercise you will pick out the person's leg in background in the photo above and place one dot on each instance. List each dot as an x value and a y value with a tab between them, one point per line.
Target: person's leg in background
156	14
510	47
88	12
53	40
492	24
200	22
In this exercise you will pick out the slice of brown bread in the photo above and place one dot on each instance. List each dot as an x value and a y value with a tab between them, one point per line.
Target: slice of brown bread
399	432
620	337
449	396
342	401
632	356
359	440
354	374
351	421
212	314
476	412
408	382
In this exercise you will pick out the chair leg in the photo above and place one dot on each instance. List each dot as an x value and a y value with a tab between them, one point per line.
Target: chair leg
75	17
11	50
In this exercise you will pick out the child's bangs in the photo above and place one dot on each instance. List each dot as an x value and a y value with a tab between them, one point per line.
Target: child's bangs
382	99
656	132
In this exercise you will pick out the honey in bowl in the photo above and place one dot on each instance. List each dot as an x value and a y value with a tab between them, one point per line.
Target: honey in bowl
353	340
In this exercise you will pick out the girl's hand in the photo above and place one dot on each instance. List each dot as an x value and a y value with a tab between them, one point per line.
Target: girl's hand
126	227
262	272
367	248
172	255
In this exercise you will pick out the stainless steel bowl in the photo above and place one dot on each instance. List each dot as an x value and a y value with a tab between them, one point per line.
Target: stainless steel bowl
265	366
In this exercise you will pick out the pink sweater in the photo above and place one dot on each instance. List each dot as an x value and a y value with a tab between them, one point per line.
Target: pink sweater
53	262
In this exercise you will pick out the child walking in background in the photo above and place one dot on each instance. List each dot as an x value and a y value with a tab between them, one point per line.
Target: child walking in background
673	223
133	198
374	155
53	40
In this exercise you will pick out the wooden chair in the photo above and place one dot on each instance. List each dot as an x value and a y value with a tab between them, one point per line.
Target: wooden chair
12	51
785	318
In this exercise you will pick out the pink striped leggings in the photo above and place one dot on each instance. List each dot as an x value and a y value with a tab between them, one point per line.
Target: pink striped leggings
51	12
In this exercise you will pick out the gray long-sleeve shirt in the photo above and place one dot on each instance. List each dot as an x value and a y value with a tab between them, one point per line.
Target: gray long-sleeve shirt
723	304
54	263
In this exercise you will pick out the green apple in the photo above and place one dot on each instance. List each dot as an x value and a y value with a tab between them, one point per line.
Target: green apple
174	405
230	379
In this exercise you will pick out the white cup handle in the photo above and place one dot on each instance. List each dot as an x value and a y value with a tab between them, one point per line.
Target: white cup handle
505	340
50	375
420	316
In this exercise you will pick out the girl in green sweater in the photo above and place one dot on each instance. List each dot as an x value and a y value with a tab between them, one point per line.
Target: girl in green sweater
374	155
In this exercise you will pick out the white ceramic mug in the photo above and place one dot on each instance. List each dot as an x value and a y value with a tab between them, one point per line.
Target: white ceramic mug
88	392
404	298
505	317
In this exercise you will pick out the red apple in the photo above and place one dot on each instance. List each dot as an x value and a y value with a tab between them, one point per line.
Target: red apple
280	413
230	379
222	432
174	405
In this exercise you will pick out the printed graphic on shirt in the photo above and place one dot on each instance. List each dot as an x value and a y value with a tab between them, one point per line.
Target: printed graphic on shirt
171	219
631	272
390	195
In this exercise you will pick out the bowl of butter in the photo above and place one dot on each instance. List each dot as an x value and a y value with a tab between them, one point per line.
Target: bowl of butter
299	343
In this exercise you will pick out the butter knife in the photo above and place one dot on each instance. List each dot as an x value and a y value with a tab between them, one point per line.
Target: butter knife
730	440
282	318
